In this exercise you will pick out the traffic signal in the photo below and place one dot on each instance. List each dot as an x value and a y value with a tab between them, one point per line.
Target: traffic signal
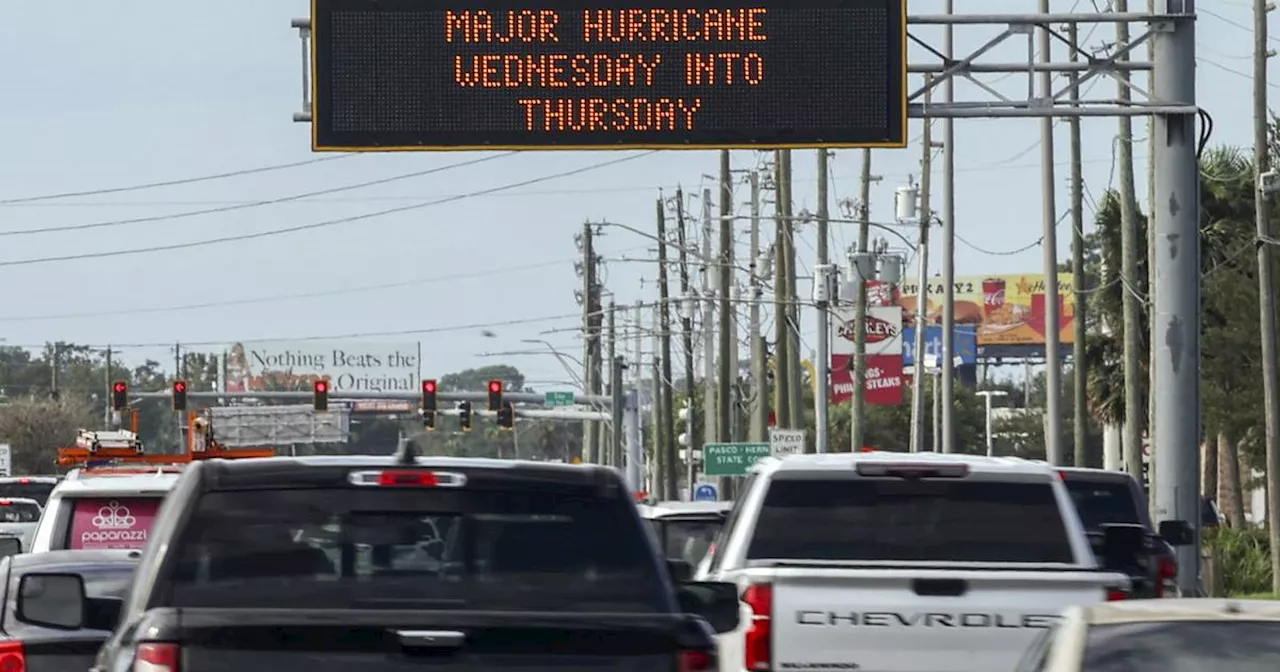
464	415
495	395
507	416
320	395
120	395
428	396
429	421
179	395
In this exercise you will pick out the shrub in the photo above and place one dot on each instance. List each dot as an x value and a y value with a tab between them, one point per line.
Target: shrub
1244	557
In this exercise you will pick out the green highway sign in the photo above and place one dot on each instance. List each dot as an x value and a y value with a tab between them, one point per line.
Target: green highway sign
559	399
732	459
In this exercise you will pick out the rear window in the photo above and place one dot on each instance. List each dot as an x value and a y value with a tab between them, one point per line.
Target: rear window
1101	504
111	522
30	490
687	539
1183	646
18	512
416	548
910	520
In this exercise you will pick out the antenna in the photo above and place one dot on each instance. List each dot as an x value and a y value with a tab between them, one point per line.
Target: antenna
407	455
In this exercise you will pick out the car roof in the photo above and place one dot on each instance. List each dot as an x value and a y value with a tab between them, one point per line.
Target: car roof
680	509
1091	474
845	461
1180	609
76	558
144	484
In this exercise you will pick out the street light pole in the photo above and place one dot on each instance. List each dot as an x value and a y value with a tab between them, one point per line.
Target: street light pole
987	395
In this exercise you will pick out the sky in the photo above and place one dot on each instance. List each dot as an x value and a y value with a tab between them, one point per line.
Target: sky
100	96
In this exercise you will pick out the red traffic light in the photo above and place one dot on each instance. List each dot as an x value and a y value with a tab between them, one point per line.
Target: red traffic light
495	386
322	386
180	386
429	386
121	387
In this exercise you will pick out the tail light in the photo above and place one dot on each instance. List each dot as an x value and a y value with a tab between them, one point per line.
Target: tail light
13	657
910	470
695	661
1166	575
408	478
154	657
758	647
1114	595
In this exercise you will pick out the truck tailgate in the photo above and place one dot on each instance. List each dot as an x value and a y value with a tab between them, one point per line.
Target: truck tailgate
925	620
227	640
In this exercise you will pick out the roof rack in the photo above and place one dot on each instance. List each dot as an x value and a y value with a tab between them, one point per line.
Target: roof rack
120	448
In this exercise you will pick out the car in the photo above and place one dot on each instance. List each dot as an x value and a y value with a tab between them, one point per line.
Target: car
1223	635
893	561
102	511
685	530
18	518
71	640
1103	497
343	562
29	487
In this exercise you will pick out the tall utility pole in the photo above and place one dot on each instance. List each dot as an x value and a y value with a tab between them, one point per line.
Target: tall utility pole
1177	267
590	338
1266	286
686	325
781	332
948	366
759	367
669	456
1133	412
1152	336
665	468
614	451
821	274
858	408
1052	326
922	296
794	407
711	416
1080	411
726	375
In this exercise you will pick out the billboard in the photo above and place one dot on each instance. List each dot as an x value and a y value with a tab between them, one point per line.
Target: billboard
883	371
965	342
607	74
350	366
1005	310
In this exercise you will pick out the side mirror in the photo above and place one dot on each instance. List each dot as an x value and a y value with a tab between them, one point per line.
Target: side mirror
715	601
680	570
1122	544
1177	532
10	546
52	601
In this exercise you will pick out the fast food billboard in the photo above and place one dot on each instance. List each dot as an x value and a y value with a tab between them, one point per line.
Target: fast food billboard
1005	310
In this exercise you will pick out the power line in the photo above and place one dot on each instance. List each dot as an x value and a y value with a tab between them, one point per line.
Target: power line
174	183
254	204
323	224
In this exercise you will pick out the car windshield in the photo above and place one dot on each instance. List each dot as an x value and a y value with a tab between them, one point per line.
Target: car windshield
1184	646
1101	504
914	520
26	490
534	550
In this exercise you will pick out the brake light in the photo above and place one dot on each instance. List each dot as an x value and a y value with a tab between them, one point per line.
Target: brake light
408	478
24	481
1166	575
905	470
1116	595
13	657
5	502
695	661
154	657
758	646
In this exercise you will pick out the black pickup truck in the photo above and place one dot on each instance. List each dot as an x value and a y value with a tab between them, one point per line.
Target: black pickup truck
328	564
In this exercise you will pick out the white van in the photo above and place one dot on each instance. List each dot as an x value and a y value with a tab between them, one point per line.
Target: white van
107	509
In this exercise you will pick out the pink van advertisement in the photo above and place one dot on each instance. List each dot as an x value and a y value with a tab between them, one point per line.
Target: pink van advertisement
116	522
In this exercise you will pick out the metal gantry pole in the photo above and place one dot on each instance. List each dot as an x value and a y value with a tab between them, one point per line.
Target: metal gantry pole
858	404
1052	328
1177	304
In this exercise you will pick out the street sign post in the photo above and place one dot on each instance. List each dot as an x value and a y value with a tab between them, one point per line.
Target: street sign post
732	459
559	399
6	460
783	442
706	492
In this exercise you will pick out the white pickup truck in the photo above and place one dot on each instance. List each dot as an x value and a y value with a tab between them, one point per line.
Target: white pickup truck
888	562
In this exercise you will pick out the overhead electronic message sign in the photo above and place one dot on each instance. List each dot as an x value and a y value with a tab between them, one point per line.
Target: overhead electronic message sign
607	74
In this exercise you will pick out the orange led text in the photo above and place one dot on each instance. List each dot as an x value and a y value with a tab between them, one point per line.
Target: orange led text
482	27
727	68
555	70
603	114
674	25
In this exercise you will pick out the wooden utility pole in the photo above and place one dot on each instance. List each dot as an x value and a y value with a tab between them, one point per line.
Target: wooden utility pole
1129	285
686	325
759	431
1080	411
795	408
727	333
666	429
781	359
